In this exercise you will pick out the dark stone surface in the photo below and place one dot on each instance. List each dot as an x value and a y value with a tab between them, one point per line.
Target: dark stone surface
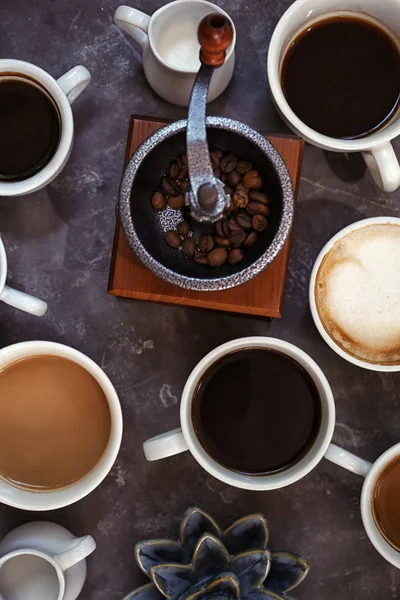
59	243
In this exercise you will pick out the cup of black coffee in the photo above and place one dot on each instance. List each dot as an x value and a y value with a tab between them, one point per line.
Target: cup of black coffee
257	413
36	124
334	74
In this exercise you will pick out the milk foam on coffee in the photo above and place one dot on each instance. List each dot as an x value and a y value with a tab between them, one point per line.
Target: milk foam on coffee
357	293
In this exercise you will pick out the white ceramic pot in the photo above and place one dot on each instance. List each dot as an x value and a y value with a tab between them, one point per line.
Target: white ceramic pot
20	300
43	560
376	149
49	500
63	91
166	38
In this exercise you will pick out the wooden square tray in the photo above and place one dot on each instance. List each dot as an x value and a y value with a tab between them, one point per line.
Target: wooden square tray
262	295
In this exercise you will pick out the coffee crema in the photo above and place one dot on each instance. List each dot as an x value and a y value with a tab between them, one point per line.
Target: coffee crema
357	293
256	411
55	422
385	503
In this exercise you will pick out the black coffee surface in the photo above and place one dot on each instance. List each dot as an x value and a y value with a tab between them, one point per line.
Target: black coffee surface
29	130
342	77
256	411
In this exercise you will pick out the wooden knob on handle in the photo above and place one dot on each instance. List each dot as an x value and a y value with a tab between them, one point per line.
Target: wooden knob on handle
215	35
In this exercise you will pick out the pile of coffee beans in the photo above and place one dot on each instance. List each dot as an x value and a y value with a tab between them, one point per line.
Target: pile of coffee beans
243	221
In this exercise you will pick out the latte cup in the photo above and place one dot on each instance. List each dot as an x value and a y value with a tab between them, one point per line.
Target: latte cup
358	225
376	148
185	438
63	91
51	499
169	42
14	298
371	472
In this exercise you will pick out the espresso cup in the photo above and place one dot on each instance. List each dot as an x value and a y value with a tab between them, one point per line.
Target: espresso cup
51	499
63	91
185	438
376	148
357	226
29	573
14	298
371	472
170	47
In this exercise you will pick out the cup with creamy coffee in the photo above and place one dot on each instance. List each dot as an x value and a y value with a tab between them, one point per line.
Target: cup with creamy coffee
60	425
355	293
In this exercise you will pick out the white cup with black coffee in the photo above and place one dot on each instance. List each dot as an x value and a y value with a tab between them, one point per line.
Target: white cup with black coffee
60	425
36	124
257	413
354	293
334	74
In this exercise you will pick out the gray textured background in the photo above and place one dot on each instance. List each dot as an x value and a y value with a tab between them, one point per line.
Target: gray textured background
59	244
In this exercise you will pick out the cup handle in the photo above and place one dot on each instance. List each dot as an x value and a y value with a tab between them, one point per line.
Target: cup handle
347	460
134	22
74	82
384	167
81	548
23	301
166	444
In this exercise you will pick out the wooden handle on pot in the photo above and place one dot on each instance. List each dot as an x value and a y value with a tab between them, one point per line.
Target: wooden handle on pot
215	35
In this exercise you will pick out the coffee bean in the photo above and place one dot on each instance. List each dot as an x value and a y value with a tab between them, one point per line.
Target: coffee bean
257	208
259	197
228	163
233	226
205	243
233	178
228	190
189	247
215	159
237	238
225	227
243	220
240	199
183	228
174	170
183	173
172	238
184	186
219	153
259	222
217	173
176	202
252	180
241	188
159	201
243	166
217	257
183	159
235	256
221	241
169	187
200	258
250	240
218	228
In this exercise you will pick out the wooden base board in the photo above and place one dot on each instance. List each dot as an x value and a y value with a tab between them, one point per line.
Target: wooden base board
262	295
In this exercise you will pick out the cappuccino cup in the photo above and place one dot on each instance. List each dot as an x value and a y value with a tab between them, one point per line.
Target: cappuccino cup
354	293
171	50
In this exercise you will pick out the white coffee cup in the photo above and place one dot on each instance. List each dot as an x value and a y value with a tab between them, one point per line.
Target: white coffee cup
313	305
376	149
185	438
52	499
169	42
30	574
63	91
371	472
20	300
